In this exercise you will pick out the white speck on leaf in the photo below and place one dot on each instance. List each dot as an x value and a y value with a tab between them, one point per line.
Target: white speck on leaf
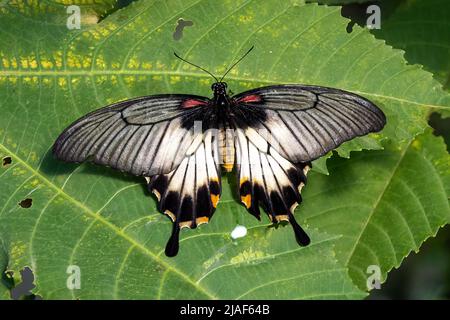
239	232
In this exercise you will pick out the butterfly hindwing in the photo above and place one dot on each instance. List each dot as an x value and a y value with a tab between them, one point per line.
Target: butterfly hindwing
190	193
267	179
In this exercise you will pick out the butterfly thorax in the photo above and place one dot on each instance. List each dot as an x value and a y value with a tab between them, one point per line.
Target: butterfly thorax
222	101
221	98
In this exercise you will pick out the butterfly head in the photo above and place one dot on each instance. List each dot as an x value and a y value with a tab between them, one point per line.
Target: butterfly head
219	88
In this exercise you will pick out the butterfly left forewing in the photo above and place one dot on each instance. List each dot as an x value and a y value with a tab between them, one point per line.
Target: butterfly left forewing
142	136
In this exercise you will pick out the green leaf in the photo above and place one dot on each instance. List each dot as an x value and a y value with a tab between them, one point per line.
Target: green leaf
338	2
120	250
99	7
56	12
385	203
421	29
106	222
4	289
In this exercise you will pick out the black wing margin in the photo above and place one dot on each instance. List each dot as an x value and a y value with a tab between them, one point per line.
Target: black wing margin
143	136
305	122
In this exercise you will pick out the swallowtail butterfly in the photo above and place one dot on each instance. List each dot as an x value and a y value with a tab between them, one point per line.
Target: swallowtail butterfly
269	134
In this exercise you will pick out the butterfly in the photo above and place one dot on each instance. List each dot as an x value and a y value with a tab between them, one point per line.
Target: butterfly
180	143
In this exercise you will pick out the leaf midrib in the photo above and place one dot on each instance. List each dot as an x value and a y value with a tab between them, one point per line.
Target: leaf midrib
377	202
69	73
108	224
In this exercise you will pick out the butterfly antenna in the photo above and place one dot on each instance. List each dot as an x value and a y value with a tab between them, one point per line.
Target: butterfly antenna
229	69
176	55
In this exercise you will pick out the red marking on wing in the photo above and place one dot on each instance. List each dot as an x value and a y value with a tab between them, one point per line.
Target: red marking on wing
250	98
190	103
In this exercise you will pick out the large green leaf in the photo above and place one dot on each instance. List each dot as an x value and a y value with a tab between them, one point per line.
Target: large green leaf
56	12
339	2
4	288
108	225
421	29
393	200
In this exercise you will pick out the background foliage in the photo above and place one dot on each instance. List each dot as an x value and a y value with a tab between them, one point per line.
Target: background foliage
372	203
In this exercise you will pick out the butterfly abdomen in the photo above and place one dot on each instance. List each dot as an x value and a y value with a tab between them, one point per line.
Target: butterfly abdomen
226	147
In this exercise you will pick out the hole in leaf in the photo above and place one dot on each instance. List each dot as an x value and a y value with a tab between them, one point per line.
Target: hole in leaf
7	161
26	203
118	4
356	12
23	290
349	27
181	24
441	127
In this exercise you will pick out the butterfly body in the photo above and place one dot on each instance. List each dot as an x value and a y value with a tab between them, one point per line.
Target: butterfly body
181	143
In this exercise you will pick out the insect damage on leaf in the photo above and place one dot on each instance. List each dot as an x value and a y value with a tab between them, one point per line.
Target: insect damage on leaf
6	161
181	24
26	203
23	289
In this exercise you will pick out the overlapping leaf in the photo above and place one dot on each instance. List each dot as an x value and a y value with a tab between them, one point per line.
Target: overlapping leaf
421	29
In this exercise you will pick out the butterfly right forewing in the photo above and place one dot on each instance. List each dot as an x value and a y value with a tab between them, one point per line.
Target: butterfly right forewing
306	122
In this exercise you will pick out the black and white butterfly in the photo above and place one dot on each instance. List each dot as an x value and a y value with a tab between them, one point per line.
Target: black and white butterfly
269	134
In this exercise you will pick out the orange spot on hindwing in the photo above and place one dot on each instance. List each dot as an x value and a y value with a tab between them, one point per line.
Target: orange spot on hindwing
247	200
201	220
214	188
214	200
